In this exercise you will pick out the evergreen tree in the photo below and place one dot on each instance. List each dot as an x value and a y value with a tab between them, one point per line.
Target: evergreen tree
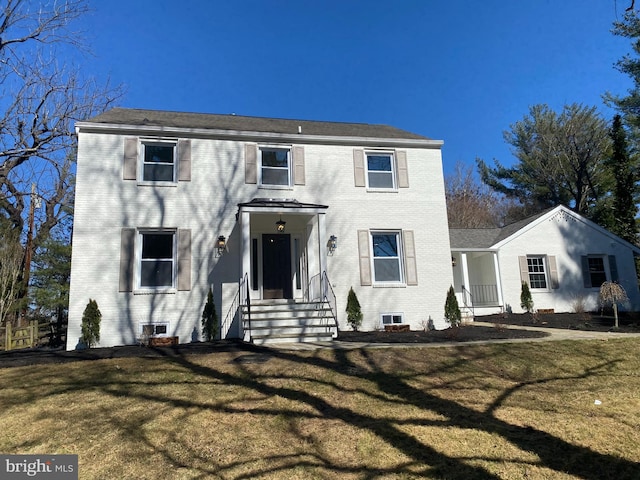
624	205
451	309
209	318
50	284
526	300
91	324
354	312
561	159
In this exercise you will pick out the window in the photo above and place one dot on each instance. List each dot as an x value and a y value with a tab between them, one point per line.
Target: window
158	162
387	267
597	274
154	329
380	171
275	166
391	318
537	272
157	259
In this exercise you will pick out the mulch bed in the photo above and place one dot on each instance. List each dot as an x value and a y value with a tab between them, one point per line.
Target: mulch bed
628	322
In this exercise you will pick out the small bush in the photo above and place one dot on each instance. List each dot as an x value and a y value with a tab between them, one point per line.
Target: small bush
354	312
91	324
209	319
451	309
526	301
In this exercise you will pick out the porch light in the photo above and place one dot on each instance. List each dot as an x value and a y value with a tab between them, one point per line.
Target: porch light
280	225
221	245
453	261
332	244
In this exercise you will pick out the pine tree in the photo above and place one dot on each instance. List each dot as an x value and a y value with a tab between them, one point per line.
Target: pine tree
91	324
624	207
451	309
526	300
209	319
354	312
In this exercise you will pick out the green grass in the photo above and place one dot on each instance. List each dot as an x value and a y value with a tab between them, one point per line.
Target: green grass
509	411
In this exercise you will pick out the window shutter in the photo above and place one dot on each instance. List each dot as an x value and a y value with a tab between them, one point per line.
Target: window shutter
403	171
130	164
524	269
613	268
127	242
184	259
184	160
585	271
298	165
358	167
553	272
250	163
410	258
365	261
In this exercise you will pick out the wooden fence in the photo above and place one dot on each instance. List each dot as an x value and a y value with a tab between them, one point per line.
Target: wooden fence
20	337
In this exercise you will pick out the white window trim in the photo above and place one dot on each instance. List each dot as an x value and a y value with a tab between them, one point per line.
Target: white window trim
399	241
141	163
547	279
392	314
288	149
139	289
394	176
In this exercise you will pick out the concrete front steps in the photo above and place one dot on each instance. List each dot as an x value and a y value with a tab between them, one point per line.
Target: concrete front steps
279	321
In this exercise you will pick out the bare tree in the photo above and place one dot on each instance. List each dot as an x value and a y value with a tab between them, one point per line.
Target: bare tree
473	204
10	270
42	98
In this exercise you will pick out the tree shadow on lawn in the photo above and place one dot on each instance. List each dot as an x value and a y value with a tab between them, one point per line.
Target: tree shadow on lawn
554	453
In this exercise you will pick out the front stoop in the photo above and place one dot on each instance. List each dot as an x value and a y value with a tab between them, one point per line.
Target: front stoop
289	322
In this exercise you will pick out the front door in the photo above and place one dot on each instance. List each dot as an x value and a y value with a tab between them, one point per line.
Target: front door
276	266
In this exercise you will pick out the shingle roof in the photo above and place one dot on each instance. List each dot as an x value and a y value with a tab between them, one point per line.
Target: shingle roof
488	237
160	118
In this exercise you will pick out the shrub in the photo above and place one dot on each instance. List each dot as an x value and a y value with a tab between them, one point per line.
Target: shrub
354	312
451	309
91	324
526	301
209	319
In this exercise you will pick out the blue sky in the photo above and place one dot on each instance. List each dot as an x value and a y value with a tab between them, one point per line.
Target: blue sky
459	71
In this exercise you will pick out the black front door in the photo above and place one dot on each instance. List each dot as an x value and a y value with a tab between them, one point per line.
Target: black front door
276	266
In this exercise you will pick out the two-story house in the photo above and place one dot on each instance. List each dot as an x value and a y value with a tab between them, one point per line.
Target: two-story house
283	215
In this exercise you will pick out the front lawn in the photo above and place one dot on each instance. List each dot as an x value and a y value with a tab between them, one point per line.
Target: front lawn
507	411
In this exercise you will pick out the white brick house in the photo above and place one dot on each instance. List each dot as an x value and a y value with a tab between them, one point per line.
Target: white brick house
306	210
562	256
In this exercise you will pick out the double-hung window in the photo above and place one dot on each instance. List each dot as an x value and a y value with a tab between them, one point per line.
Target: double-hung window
387	264
537	272
275	166
158	161
596	272
157	260
380	171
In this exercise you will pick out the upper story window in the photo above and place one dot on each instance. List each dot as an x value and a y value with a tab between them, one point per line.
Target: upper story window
158	162
381	171
165	161
387	265
157	260
275	166
537	272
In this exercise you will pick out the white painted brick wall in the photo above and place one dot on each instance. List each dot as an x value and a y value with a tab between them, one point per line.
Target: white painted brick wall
208	204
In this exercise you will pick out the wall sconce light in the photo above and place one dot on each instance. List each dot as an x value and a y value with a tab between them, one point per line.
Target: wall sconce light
332	244
280	225
221	245
453	261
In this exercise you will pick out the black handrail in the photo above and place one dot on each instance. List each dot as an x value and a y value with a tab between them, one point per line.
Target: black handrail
466	293
248	293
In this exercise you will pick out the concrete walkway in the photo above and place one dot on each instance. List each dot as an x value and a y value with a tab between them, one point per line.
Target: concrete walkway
553	334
